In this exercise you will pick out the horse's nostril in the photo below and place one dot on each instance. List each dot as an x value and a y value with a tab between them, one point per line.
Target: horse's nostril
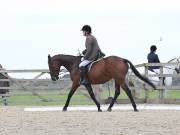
177	70
53	78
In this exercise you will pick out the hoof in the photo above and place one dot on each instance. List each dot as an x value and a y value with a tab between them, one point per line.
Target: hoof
64	109
136	110
99	110
109	109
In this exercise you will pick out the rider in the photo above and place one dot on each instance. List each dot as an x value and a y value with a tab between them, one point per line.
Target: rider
153	58
91	53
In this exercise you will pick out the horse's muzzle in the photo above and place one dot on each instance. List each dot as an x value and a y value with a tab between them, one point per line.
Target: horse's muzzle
55	78
177	70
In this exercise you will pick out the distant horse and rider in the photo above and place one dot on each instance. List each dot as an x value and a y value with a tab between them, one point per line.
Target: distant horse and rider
108	68
152	57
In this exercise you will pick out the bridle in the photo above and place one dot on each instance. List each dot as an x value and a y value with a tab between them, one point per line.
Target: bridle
54	74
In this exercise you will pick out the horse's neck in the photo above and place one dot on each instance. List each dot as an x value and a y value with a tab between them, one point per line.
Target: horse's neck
168	70
69	62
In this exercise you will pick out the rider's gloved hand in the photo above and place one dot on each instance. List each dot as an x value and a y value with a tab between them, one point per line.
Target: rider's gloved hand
82	58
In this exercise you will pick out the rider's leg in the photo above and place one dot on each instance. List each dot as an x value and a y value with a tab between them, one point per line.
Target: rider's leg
84	77
83	72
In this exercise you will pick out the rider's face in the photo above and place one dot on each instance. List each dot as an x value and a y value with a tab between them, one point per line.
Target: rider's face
84	33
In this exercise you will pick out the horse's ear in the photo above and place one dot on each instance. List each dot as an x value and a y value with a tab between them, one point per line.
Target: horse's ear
49	58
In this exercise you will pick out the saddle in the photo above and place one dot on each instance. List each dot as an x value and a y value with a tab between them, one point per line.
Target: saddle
99	57
89	66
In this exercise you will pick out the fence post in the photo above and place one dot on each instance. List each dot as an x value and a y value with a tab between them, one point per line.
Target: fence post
145	89
162	90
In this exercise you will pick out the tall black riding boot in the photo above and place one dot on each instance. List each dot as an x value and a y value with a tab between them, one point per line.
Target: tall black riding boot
83	76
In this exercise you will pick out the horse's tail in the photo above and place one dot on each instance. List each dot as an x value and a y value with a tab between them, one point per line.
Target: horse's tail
136	72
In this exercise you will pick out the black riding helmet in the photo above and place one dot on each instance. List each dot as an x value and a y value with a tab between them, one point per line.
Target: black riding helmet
153	48
86	28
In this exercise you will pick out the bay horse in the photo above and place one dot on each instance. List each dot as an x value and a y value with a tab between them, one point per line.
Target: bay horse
108	68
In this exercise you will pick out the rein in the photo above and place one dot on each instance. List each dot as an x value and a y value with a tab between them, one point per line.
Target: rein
175	69
169	68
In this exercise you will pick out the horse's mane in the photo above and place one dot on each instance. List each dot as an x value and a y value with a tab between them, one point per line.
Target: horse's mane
66	57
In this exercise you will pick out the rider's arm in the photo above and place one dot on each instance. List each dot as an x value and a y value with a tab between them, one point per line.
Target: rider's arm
84	52
157	59
89	48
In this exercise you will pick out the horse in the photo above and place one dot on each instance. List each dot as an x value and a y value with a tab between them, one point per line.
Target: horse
103	70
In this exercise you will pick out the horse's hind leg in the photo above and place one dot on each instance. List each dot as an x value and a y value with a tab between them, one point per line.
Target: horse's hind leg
117	93
91	93
128	92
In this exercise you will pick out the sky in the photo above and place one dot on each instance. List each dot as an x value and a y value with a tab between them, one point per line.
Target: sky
32	29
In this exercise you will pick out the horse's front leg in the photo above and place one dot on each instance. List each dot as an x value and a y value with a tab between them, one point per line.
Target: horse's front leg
73	89
91	93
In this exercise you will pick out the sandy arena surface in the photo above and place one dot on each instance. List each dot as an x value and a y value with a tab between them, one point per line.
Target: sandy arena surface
16	121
